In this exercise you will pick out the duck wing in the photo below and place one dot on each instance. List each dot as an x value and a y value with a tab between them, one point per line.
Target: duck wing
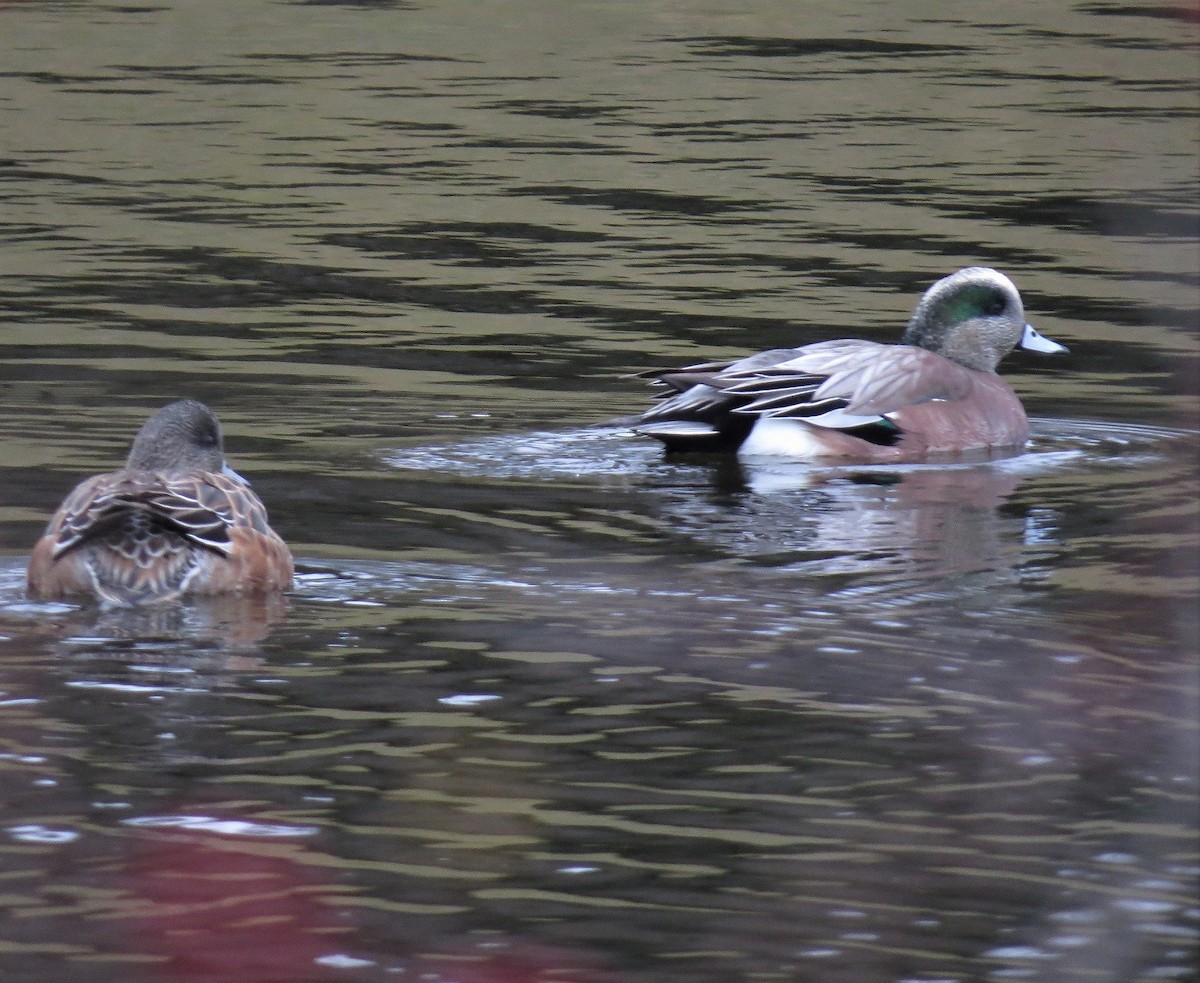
140	515
844	384
851	385
695	411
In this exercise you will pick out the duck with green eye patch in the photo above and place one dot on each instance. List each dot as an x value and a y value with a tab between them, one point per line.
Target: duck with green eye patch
934	394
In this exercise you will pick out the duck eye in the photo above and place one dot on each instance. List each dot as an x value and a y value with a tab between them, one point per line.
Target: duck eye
994	305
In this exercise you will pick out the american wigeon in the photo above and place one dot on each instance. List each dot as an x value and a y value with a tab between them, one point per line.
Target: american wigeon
175	521
936	392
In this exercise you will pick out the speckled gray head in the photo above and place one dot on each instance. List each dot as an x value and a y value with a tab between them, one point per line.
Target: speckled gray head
182	436
974	317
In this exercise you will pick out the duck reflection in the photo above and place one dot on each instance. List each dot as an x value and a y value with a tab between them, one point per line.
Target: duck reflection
917	520
228	624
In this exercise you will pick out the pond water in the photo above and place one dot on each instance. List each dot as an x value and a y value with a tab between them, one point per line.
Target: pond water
544	705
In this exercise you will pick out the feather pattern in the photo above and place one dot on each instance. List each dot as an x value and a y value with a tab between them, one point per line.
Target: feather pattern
129	506
140	535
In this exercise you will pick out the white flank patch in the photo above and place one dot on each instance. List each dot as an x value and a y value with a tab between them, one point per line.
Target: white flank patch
782	438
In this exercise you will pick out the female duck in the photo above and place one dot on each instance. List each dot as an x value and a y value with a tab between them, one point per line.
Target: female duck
175	521
936	392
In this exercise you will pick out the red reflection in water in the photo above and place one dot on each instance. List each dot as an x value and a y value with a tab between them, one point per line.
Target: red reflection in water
217	907
222	900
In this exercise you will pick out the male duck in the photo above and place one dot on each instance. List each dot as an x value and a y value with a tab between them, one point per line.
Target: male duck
175	521
936	392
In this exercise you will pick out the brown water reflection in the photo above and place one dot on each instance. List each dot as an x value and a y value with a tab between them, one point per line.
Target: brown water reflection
864	756
544	705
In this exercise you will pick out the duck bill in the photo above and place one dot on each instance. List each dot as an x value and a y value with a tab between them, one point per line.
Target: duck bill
230	473
1034	342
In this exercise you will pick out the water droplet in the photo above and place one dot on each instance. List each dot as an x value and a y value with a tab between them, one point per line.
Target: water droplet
1023	952
222	827
342	961
1070	941
467	699
33	833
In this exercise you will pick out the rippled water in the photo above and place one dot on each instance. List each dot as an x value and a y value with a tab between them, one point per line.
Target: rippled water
544	705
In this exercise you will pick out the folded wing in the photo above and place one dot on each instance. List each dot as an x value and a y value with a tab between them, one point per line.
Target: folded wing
853	386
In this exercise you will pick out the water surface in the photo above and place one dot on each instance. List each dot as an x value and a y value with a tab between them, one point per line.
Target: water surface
544	705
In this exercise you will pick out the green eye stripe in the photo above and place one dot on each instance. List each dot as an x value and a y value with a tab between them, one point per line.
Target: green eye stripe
973	303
